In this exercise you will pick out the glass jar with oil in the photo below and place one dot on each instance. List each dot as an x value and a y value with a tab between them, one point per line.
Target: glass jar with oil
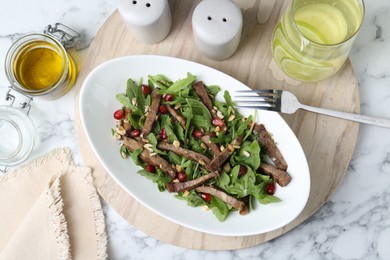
38	65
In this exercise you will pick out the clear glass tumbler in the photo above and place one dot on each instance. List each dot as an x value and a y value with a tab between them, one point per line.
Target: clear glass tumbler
313	38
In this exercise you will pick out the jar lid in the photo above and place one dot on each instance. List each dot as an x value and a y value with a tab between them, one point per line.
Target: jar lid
17	136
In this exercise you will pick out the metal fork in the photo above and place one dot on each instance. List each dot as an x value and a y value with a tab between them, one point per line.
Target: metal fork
286	102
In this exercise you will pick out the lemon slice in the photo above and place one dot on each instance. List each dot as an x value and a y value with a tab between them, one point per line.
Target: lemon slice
302	72
322	23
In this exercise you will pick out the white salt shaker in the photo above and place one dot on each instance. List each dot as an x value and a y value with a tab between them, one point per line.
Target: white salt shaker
217	26
149	21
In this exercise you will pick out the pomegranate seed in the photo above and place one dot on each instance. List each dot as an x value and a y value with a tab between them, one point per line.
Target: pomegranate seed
206	197
242	170
217	121
135	133
145	89
168	97
163	109
197	133
270	188
118	115
150	168
182	176
163	134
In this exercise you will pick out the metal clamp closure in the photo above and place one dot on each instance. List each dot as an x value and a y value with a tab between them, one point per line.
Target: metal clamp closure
24	105
66	36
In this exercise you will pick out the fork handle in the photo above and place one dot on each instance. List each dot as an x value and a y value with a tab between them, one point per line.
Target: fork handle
349	116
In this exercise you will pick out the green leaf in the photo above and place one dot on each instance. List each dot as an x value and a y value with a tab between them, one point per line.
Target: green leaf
219	208
131	89
251	148
134	156
193	198
240	186
266	199
228	99
167	125
179	131
224	181
197	114
161	81
127	102
244	126
179	85
213	90
159	177
174	158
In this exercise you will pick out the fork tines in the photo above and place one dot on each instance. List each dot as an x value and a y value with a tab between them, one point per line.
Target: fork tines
265	99
271	91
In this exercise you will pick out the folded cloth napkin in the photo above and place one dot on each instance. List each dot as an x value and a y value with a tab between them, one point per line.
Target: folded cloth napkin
49	209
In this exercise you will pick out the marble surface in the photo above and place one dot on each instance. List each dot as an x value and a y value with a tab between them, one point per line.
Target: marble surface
354	224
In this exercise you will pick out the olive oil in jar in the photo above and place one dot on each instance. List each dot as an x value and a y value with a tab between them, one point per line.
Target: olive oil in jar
38	65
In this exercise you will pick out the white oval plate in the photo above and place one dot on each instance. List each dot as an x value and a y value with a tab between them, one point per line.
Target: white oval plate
98	103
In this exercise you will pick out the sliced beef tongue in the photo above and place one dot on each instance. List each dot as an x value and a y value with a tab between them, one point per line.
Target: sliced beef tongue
281	177
221	158
235	203
198	157
212	146
151	116
145	156
189	185
203	95
176	114
271	149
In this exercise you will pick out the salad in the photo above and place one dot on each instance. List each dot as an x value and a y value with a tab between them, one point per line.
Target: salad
189	143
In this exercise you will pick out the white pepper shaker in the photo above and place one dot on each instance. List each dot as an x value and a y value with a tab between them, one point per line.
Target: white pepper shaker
217	26
149	21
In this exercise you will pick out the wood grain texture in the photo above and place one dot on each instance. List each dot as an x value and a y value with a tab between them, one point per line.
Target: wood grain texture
328	143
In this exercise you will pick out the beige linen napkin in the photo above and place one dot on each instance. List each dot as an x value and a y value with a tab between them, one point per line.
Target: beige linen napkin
49	209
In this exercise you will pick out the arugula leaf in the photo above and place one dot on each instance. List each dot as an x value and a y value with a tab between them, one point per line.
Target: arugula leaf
251	148
167	125
131	89
213	89
159	177
174	158
179	132
244	126
228	99
179	85
153	141
197	114
160	80
127	102
134	156
219	208
193	198
265	199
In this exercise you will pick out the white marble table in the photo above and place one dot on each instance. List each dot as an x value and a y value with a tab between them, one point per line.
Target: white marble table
354	224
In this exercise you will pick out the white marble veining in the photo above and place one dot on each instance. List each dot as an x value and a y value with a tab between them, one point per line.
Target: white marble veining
354	224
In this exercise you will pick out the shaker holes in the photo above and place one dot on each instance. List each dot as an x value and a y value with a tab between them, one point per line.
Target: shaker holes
223	19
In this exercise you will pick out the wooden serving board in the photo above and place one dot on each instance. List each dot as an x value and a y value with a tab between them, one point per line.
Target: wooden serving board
328	143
